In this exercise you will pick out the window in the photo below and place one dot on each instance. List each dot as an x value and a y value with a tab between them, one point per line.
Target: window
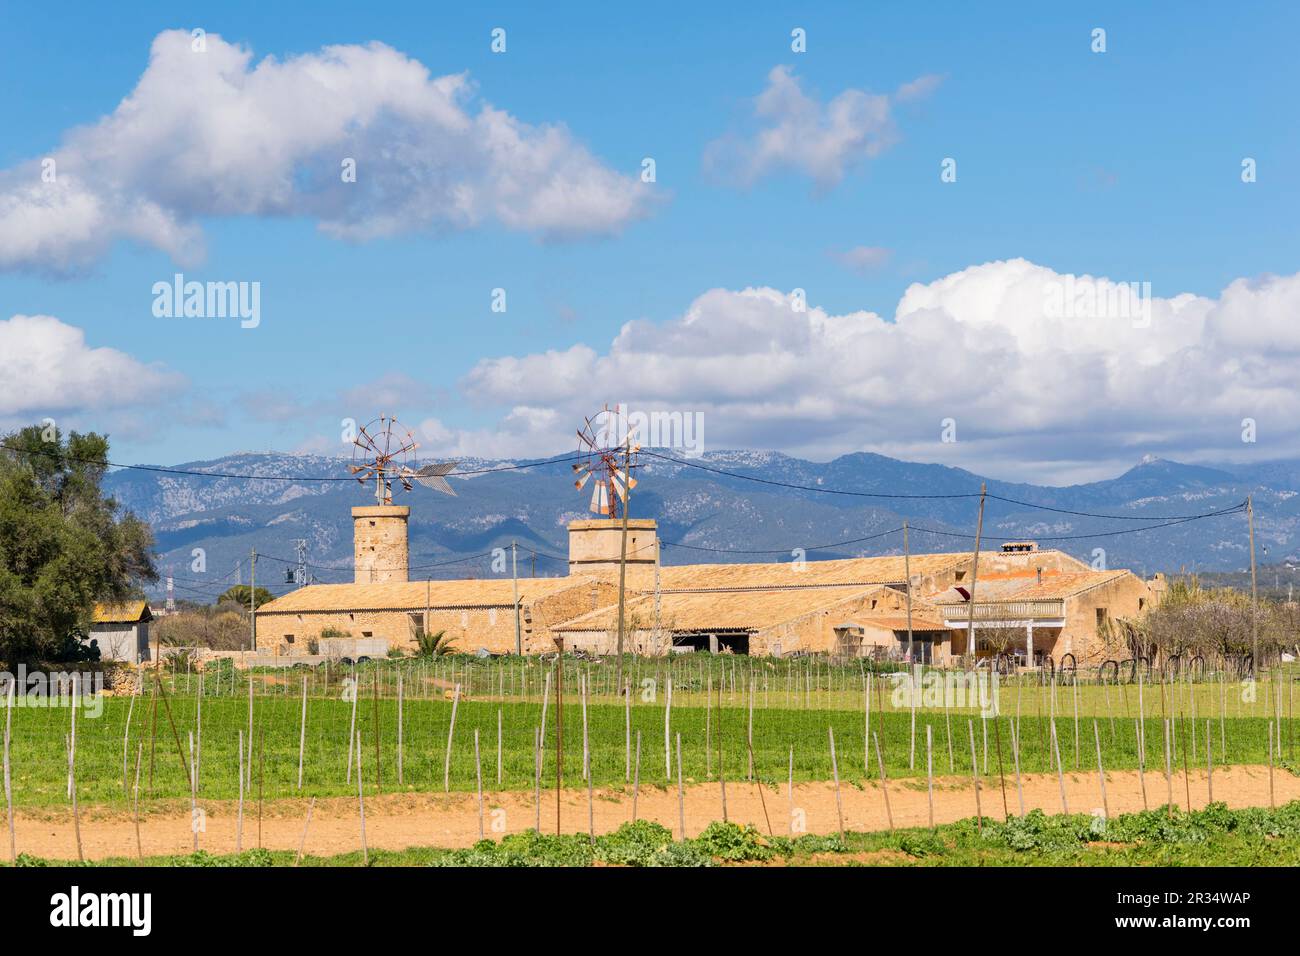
288	638
1101	617
367	634
959	576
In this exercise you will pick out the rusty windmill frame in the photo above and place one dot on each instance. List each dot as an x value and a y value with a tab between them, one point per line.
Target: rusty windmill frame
384	451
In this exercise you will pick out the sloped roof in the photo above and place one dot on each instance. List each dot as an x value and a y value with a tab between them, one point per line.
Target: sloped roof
1017	586
735	610
128	612
414	595
839	572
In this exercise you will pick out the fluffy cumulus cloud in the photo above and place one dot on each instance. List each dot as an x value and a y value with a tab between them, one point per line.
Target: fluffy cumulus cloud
49	370
215	133
795	131
1074	374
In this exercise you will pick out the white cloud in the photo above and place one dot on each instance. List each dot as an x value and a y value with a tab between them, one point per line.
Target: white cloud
822	141
48	369
1035	392
215	134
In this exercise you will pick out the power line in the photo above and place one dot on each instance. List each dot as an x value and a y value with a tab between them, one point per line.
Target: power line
159	469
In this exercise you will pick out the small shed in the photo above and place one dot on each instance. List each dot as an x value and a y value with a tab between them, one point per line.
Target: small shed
122	631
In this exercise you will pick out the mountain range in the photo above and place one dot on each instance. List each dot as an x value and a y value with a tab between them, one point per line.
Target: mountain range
703	514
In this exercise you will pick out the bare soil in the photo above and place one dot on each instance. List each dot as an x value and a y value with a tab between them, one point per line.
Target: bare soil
400	820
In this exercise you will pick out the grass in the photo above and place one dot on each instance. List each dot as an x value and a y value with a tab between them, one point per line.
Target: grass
1214	836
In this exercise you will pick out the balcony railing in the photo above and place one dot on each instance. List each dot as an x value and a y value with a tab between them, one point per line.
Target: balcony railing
1006	610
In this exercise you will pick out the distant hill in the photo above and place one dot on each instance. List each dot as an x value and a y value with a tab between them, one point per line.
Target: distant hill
698	510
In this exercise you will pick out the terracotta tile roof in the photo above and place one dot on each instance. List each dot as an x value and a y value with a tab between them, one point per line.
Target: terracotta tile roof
128	612
1055	585
412	595
719	610
920	622
842	571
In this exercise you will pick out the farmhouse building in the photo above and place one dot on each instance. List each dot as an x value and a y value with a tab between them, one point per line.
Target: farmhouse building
121	631
1029	603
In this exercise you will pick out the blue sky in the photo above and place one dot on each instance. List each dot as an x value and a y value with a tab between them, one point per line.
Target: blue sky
1124	164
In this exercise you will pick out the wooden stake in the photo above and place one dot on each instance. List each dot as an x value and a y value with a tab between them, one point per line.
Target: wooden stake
835	773
303	841
499	719
239	820
929	771
975	778
1015	755
537	776
1169	772
681	796
9	794
135	805
478	777
1060	773
361	806
451	732
302	732
627	732
1209	763
352	727
400	780
884	785
790	790
1272	802
668	747
636	776
1101	771
1142	779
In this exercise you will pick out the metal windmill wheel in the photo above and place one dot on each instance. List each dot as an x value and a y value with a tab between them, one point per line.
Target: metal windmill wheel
609	450
383	450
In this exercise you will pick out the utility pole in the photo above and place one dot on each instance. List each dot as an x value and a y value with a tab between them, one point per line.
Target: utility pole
514	577
252	603
974	572
1254	594
907	573
622	561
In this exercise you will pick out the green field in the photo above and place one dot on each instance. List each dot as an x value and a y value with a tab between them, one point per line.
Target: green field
791	709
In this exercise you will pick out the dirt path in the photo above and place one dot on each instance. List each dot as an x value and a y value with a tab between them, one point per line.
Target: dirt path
397	821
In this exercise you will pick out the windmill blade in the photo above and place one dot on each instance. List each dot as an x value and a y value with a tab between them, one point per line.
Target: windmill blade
598	498
586	477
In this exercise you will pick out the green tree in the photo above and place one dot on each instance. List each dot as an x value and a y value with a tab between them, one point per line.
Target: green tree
239	595
64	545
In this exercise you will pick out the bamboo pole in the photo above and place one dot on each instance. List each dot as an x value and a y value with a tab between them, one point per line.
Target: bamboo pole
975	778
303	841
135	804
361	806
9	795
302	732
451	732
636	776
478	778
884	785
1060	772
1101	771
929	771
681	796
835	773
